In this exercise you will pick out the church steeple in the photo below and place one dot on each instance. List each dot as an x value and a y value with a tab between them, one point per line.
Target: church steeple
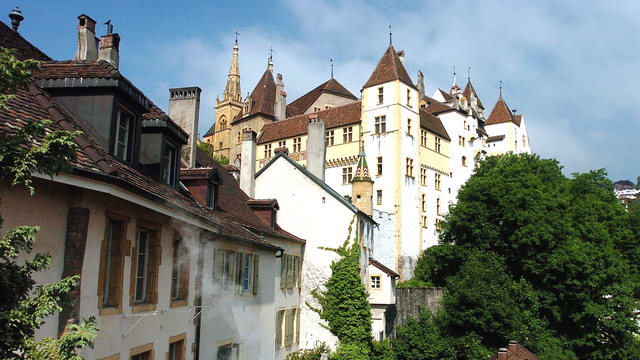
232	91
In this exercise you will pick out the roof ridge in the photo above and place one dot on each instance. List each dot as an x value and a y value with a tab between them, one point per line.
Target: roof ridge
389	68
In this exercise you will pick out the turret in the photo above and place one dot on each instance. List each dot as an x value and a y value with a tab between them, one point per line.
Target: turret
362	187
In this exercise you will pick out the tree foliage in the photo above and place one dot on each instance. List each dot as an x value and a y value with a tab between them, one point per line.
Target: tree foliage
23	308
529	254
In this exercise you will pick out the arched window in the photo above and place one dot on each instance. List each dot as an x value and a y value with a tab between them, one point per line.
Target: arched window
464	161
223	122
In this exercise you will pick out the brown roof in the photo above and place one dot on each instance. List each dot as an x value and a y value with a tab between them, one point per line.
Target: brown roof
516	351
78	69
468	90
335	117
263	97
384	269
389	68
93	160
331	86
24	49
445	95
518	119
495	138
434	106
433	124
501	114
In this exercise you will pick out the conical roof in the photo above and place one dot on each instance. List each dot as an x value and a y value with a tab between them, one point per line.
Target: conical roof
500	113
389	69
362	170
263	97
468	91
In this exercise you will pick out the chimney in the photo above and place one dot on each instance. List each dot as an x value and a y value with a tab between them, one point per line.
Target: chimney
110	48
248	168
502	354
316	147
87	41
184	109
420	85
281	100
513	345
401	56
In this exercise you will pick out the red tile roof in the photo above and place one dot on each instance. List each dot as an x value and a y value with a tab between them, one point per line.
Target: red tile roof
495	138
389	68
432	123
445	95
298	125
24	49
263	97
434	106
468	90
516	351
331	86
78	69
501	114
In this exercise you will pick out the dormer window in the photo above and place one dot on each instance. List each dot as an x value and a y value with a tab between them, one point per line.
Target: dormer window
212	196
124	135
169	164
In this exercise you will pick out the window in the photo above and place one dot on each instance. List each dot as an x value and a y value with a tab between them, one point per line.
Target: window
379	165
375	282
212	196
144	267
282	144
423	137
124	135
380	95
424	202
425	223
408	98
347	134
267	151
279	328
144	352
464	124
180	273
423	176
437	144
437	181
169	165
516	145
289	271
459	140
464	141
239	138
409	127
327	107
438	226
524	142
347	173
378	197
111	263
236	268
409	167
223	122
380	124
223	268
297	144
329	139
464	161
316	109
438	210
177	348
229	351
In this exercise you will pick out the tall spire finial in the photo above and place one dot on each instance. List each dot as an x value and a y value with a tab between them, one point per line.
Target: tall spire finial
271	58
469	74
237	33
390	38
331	60
455	80
500	88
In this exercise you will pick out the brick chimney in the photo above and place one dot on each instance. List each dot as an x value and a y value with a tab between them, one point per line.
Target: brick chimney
248	164
316	147
110	49
502	354
87	41
184	109
513	347
280	111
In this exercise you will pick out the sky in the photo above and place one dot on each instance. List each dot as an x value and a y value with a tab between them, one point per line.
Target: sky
570	67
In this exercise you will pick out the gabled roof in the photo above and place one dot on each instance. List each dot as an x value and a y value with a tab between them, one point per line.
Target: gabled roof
389	68
501	114
315	179
495	138
468	90
331	86
435	107
445	95
10	39
383	268
432	123
263	97
156	118
335	117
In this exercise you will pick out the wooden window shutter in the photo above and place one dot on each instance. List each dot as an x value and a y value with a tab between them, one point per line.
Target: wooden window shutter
299	274
283	271
279	319
289	271
239	271
288	338
256	272
183	289
218	254
297	325
153	266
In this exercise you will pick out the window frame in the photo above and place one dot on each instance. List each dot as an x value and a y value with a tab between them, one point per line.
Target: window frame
347	134
380	124
379	165
347	175
112	280
124	152
151	267
180	273
381	95
373	282
379	197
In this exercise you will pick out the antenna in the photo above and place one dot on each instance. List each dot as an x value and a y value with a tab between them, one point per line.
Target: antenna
237	33
331	60
390	38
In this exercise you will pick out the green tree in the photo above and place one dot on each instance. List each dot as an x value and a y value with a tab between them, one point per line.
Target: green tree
206	148
22	308
529	254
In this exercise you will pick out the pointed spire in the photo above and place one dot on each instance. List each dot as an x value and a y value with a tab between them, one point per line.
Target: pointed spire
455	82
271	58
500	98
389	68
469	74
331	60
390	36
232	92
362	170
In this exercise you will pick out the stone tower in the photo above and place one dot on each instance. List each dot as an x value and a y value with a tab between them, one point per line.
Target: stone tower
362	187
184	109
226	110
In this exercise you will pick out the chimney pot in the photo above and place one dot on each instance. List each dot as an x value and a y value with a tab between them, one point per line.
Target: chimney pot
502	354
248	164
87	42
316	147
109	49
16	17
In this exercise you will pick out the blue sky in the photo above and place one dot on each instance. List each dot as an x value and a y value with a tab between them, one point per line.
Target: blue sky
570	67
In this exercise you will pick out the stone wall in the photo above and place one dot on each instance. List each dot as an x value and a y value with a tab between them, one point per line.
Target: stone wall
410	302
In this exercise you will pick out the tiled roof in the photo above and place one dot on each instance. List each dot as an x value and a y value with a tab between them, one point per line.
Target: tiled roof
389	68
263	97
445	95
501	114
516	351
156	117
384	269
434	106
78	69
24	49
495	138
93	160
480	131
518	119
211	130
468	90
433	124
331	86
298	125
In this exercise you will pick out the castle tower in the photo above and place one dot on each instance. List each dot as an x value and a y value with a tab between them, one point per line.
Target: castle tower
219	136
362	187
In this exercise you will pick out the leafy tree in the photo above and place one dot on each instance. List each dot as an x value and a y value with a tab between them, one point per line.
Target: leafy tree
316	353
221	159
23	309
529	254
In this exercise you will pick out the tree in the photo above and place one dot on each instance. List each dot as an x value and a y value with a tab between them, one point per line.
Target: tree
529	254
31	149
